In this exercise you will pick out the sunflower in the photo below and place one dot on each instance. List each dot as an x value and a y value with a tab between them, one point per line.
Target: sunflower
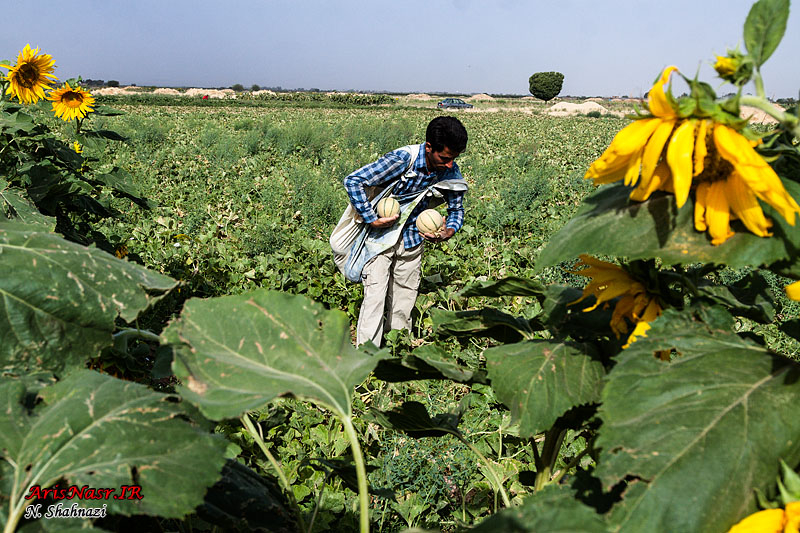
610	281
69	103
771	521
674	154
28	79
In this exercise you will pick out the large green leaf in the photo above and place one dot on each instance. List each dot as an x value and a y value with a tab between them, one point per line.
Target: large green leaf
764	28
16	207
554	509
701	432
95	430
412	418
540	381
59	300
657	228
486	322
236	353
427	362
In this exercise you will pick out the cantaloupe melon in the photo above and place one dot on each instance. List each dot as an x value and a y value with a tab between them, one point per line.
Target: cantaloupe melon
430	221
387	207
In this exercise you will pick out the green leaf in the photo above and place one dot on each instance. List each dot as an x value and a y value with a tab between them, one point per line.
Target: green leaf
486	322
749	297
236	353
764	28
510	286
553	509
540	381
99	431
657	228
122	182
106	111
701	432
59	300
427	362
413	419
17	207
243	500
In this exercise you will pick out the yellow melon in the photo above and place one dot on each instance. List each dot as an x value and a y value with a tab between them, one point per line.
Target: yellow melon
387	207
430	221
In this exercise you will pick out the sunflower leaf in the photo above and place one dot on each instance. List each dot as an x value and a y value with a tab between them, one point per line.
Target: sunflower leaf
540	381
96	430
656	228
237	353
15	206
550	510
764	28
694	420
61	299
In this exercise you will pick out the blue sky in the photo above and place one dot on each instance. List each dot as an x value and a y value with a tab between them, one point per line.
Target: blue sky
603	48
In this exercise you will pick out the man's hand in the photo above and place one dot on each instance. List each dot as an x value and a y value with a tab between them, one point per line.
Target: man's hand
384	222
445	234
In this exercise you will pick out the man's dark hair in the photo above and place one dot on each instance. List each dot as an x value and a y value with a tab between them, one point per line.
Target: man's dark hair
446	131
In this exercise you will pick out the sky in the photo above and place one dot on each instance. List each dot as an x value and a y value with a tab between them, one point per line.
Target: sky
603	48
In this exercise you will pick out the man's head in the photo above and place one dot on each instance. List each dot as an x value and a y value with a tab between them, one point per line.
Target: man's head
445	139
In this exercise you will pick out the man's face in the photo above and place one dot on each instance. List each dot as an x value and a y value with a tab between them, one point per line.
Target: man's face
439	161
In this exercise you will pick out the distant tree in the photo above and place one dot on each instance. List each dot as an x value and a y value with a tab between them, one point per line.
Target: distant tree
546	85
113	83
238	87
255	87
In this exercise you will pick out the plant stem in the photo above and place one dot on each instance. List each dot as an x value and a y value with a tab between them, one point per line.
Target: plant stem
759	81
494	478
276	465
572	464
787	119
361	474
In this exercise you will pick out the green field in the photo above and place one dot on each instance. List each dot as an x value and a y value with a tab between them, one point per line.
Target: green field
463	416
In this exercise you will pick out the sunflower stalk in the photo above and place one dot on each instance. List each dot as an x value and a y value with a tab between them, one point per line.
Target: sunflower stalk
787	119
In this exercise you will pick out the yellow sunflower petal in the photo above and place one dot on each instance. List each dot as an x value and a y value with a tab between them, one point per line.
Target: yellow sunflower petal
755	172
661	180
718	215
657	99
700	149
679	158
621	154
652	312
744	205
700	201
769	521
793	291
792	518
71	103
654	148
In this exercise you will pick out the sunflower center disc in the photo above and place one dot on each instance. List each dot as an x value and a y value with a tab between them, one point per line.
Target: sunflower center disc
28	75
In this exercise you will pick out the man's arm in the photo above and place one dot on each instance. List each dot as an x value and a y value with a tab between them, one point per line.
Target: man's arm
389	167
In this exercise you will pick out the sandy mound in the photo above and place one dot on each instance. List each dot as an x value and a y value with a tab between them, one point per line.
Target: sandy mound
598	100
171	92
756	115
130	89
563	109
211	93
419	96
480	97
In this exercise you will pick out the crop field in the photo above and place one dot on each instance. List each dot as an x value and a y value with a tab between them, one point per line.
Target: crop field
247	198
489	414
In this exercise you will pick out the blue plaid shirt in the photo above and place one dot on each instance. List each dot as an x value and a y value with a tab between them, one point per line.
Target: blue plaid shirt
390	167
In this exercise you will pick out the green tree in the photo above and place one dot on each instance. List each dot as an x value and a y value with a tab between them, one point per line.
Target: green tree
112	83
255	87
546	85
238	87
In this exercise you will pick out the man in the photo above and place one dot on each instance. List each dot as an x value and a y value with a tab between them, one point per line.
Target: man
420	172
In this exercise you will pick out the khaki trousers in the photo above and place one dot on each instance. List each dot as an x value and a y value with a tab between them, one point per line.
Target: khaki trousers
391	281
